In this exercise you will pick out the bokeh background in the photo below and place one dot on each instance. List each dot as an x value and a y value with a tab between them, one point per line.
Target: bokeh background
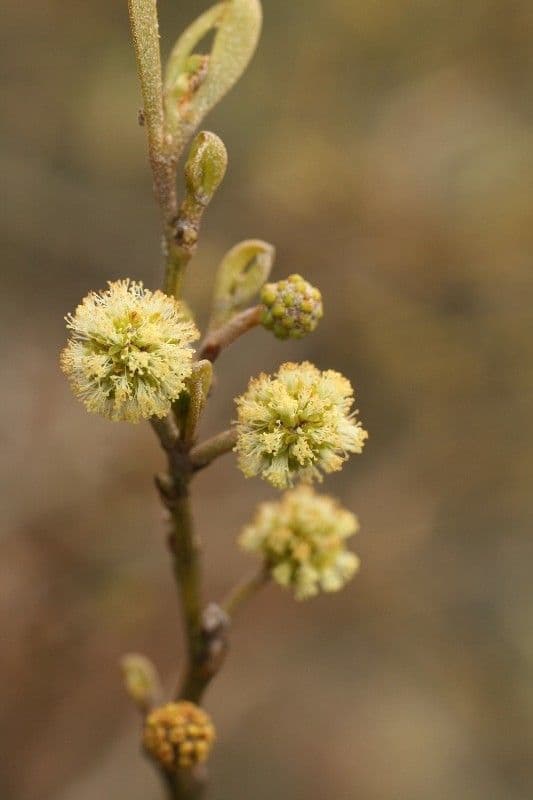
386	148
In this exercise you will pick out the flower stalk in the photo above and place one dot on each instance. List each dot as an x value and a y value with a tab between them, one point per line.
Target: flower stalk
244	591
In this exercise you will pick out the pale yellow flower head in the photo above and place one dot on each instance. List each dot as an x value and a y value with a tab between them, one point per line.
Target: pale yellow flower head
129	353
302	539
296	424
178	735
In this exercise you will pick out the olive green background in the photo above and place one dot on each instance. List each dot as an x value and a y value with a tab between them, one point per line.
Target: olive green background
386	148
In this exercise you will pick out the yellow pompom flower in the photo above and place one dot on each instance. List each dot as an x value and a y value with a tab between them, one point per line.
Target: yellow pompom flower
302	540
178	735
129	353
296	424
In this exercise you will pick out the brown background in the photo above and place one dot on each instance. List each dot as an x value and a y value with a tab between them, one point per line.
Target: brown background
385	147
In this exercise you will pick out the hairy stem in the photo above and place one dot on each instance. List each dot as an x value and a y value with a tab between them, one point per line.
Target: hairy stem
214	646
166	431
185	549
176	262
145	34
205	628
161	147
187	785
182	246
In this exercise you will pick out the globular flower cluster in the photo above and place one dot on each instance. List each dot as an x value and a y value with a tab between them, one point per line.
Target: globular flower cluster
302	540
292	307
129	353
296	424
178	735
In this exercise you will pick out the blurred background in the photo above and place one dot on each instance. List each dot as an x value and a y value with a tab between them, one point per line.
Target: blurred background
386	148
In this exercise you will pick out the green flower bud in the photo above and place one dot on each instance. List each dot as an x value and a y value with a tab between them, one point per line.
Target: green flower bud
205	167
292	308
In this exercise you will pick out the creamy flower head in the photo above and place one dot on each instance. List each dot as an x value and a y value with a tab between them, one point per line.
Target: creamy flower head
302	540
296	424
129	353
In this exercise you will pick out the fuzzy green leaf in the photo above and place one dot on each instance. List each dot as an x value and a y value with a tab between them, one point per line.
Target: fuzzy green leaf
193	85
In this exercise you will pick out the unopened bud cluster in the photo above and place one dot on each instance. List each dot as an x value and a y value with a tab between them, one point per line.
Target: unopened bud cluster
292	307
178	735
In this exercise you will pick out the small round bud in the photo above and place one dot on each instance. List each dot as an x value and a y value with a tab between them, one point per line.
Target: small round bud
292	307
296	424
178	735
302	540
206	166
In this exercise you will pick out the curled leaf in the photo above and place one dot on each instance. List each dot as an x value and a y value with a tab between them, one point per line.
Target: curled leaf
194	83
242	273
183	49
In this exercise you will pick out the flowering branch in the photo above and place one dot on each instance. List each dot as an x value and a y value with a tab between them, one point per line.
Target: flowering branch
130	357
